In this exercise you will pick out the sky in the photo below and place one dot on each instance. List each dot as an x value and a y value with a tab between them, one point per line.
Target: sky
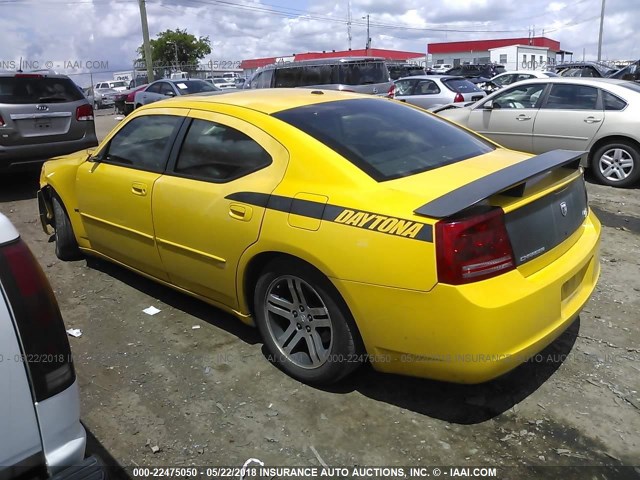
101	36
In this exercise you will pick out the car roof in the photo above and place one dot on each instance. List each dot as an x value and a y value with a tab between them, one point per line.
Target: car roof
8	232
265	100
594	81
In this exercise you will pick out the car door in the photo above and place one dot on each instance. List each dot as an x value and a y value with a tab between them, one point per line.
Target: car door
202	222
151	93
115	189
404	89
426	93
510	119
569	118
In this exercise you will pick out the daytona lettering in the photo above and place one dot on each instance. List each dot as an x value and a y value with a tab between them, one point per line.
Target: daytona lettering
380	223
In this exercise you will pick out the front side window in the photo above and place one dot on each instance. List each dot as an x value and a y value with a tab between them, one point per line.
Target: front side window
572	97
386	140
143	143
524	96
166	89
218	153
404	87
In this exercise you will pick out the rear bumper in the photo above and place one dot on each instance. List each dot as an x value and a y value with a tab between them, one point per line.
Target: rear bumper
476	332
31	157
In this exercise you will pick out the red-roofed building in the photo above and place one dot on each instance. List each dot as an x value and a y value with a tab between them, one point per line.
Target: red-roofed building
250	66
513	53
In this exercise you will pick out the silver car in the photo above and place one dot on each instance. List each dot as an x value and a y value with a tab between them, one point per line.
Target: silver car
596	115
163	89
429	90
39	400
354	74
42	115
104	97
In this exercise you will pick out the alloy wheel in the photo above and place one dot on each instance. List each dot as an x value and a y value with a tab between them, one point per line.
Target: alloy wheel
616	164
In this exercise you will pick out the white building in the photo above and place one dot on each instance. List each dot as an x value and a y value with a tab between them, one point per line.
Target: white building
522	57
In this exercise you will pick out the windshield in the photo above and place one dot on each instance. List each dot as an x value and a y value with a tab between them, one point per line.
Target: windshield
386	139
117	84
25	90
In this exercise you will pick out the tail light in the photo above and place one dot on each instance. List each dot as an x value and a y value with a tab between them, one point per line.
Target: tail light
1	121
130	97
44	340
473	248
458	98
84	113
392	91
28	75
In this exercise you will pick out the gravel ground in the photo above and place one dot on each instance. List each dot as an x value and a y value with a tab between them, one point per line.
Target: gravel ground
191	385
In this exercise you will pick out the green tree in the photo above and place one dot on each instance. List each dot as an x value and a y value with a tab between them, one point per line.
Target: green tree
176	43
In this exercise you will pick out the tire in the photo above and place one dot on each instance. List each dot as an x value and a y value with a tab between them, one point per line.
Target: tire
306	327
66	244
617	164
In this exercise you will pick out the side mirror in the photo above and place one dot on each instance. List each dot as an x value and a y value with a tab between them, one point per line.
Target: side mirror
170	94
488	105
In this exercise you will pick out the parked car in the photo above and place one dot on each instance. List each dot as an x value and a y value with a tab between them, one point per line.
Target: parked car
41	116
138	82
221	83
240	81
271	205
104	97
429	90
118	85
124	101
507	78
440	68
353	74
599	116
162	89
630	72
482	70
584	69
401	69
39	398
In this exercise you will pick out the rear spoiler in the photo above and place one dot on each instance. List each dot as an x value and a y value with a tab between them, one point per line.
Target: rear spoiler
499	182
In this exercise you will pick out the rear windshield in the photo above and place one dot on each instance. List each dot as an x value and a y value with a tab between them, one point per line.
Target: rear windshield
194	86
386	139
25	90
354	73
460	85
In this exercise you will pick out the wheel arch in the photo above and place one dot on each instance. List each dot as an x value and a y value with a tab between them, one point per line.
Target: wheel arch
256	264
609	139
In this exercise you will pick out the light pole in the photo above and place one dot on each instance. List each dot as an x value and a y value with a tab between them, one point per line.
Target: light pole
176	50
368	36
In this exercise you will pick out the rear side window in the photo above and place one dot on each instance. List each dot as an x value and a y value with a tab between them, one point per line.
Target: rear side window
611	102
426	87
572	97
143	143
460	85
26	90
386	140
219	153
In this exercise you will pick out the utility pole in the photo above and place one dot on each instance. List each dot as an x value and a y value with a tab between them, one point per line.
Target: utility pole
349	23
368	35
148	59
600	36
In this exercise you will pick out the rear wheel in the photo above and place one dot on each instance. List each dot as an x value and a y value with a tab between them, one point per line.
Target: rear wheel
304	323
617	164
66	244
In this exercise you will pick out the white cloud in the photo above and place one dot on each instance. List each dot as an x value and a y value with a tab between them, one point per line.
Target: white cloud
109	30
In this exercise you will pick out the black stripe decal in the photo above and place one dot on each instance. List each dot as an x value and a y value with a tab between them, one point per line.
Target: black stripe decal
334	213
476	191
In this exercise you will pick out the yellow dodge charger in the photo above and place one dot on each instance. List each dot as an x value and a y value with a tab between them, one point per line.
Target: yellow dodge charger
347	228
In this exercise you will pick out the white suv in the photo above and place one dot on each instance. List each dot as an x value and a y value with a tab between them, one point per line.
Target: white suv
39	399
